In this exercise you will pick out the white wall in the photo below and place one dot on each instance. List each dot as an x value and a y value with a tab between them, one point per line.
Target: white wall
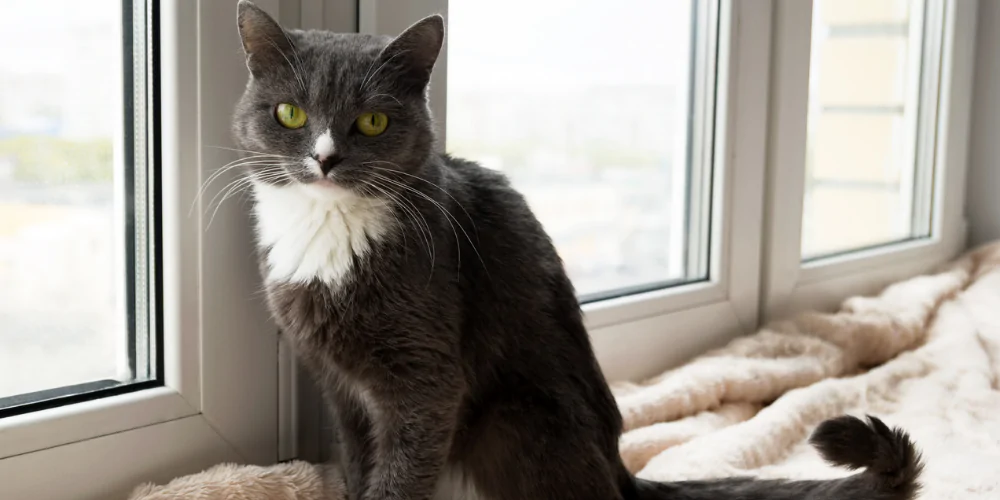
983	189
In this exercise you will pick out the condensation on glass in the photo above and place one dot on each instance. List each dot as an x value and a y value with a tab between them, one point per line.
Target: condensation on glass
75	199
590	110
865	185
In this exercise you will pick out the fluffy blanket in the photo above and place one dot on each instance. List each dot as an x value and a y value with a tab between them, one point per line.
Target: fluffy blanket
924	355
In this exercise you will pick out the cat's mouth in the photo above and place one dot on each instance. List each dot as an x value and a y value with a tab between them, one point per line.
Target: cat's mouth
325	189
317	176
322	182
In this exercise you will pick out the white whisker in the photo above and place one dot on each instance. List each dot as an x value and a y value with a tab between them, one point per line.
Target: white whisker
376	96
368	78
383	192
243	162
238	185
448	215
295	72
439	188
419	220
458	246
249	151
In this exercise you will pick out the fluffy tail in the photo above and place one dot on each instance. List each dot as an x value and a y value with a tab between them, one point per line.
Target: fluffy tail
890	463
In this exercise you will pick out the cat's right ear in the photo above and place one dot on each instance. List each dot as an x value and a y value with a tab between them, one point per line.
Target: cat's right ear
264	42
411	55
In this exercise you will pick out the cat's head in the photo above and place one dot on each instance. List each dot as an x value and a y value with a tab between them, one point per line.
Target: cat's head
334	109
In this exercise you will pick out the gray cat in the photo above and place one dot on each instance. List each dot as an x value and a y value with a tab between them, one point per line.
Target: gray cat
431	306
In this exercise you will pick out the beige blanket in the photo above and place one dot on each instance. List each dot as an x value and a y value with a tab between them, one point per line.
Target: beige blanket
923	355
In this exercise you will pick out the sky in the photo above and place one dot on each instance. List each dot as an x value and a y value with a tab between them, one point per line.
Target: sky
61	55
568	42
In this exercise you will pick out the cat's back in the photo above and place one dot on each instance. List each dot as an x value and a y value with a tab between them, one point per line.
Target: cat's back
524	331
519	292
515	268
493	202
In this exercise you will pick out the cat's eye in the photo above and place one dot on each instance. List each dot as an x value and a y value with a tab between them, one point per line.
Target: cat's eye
290	116
372	124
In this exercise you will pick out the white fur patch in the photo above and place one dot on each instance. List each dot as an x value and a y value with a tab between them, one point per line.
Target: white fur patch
455	485
324	145
324	148
364	397
315	231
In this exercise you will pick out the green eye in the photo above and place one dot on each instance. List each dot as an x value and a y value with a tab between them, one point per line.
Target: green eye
372	124
290	115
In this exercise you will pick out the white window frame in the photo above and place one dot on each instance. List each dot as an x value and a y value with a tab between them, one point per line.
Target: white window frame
220	393
791	285
639	335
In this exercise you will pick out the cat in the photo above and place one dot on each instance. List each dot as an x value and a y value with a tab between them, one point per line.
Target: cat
431	306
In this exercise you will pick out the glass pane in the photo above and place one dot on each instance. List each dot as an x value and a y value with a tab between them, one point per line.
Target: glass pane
589	116
67	259
861	167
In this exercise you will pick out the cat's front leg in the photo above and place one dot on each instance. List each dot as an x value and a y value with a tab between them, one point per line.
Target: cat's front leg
413	434
354	447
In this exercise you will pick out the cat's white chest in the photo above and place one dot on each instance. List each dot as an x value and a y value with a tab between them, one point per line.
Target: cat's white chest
315	232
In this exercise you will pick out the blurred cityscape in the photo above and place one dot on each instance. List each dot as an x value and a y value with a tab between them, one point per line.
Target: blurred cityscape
588	116
599	176
60	278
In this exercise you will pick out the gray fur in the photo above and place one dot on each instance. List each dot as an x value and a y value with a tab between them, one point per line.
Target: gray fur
473	357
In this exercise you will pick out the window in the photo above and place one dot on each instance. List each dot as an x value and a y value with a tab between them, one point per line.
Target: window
126	322
704	166
866	182
77	223
598	139
616	125
868	125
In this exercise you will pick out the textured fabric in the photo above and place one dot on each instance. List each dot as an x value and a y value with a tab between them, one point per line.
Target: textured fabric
287	481
924	355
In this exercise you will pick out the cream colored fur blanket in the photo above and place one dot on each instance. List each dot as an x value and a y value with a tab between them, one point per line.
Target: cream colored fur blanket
924	355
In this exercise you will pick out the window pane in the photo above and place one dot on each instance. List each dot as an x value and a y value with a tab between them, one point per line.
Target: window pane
590	117
71	269
862	178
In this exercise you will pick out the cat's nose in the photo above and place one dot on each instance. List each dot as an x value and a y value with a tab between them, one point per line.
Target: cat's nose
326	163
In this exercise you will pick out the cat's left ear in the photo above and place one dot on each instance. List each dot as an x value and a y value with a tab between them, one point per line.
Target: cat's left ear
264	42
413	53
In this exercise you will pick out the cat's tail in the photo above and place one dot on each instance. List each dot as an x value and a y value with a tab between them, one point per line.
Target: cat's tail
890	462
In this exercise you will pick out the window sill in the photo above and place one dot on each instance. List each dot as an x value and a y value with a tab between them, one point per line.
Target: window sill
21	434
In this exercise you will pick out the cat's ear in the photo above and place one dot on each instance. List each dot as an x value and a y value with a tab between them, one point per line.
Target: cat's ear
413	53
264	42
